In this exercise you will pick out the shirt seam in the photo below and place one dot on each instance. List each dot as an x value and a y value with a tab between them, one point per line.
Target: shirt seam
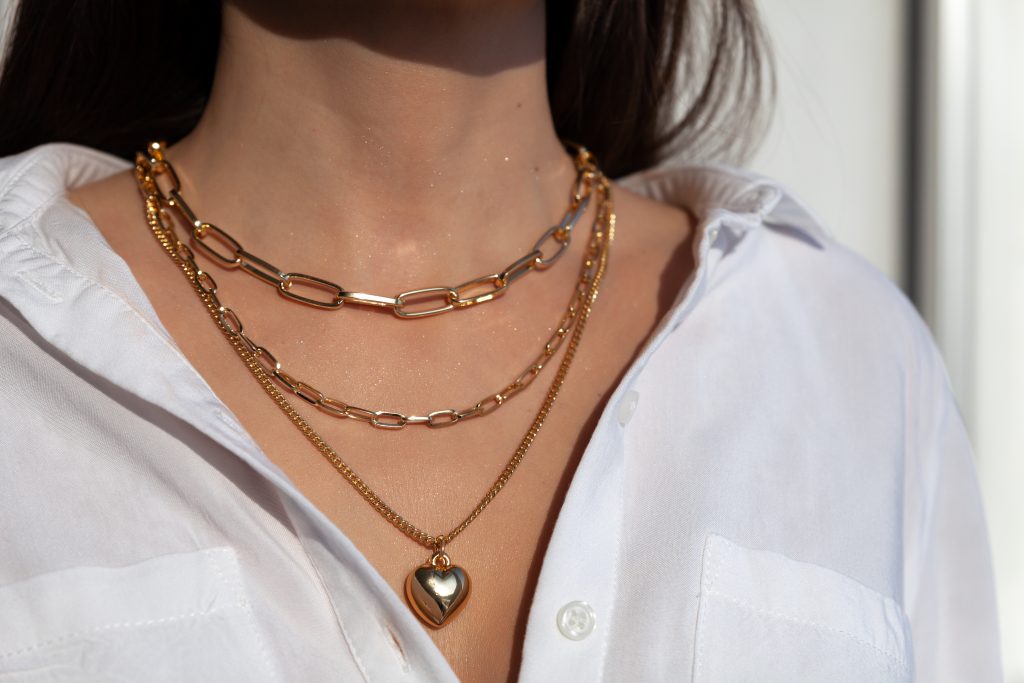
337	618
137	623
616	567
713	563
19	224
891	660
243	603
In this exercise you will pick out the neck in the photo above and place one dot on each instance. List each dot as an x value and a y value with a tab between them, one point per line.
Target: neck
398	148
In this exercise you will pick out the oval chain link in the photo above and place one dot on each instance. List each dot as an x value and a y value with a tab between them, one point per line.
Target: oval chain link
595	263
225	250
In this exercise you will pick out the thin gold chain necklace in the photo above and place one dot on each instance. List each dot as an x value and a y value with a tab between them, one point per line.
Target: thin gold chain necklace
437	589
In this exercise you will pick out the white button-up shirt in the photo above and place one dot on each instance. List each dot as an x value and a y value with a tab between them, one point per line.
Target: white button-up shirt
780	488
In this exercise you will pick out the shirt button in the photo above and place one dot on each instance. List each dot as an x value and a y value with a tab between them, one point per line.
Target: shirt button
576	620
627	406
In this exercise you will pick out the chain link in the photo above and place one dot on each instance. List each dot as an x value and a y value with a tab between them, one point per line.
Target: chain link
436	298
228	252
256	358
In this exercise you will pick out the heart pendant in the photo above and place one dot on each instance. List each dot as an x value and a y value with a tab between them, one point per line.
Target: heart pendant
437	589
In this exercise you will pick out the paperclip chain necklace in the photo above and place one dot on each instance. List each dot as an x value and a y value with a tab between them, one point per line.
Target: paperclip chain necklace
479	290
200	231
437	589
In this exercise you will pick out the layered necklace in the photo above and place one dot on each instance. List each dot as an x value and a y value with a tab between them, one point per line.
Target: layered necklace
437	589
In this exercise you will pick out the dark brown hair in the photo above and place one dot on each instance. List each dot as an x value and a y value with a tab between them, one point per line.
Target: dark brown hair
634	80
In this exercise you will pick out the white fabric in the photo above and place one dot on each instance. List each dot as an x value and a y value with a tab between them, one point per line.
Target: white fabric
780	488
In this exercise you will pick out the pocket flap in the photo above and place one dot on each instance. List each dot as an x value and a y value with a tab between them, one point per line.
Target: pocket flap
181	616
764	613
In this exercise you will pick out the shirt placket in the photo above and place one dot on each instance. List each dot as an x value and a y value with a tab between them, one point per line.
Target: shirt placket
575	602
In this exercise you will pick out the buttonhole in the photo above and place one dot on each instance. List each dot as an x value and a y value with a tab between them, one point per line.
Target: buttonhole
398	647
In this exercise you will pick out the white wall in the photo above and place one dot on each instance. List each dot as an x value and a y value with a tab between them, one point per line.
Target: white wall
973	275
997	408
836	139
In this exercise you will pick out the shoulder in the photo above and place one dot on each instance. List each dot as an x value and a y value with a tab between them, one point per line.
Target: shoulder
770	250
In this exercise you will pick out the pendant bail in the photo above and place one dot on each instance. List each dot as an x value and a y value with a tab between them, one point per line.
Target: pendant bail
438	542
441	561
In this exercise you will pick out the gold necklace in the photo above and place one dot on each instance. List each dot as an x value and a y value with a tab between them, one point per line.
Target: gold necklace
437	589
408	304
389	419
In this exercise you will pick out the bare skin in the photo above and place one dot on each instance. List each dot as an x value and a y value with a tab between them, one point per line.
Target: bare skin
373	152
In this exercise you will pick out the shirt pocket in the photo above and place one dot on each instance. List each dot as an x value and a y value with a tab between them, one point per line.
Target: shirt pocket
176	617
766	617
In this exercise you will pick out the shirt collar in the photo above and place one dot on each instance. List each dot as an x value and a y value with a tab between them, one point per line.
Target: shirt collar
38	265
59	273
738	198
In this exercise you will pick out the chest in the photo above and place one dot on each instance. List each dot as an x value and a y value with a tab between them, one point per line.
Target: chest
433	478
437	478
687	479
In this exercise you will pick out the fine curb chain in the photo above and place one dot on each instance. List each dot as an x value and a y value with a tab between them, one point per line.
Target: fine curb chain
597	257
436	300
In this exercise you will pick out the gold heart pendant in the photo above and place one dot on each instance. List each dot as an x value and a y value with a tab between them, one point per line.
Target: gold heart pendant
437	589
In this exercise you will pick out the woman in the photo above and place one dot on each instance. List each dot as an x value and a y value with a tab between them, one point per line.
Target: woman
754	468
